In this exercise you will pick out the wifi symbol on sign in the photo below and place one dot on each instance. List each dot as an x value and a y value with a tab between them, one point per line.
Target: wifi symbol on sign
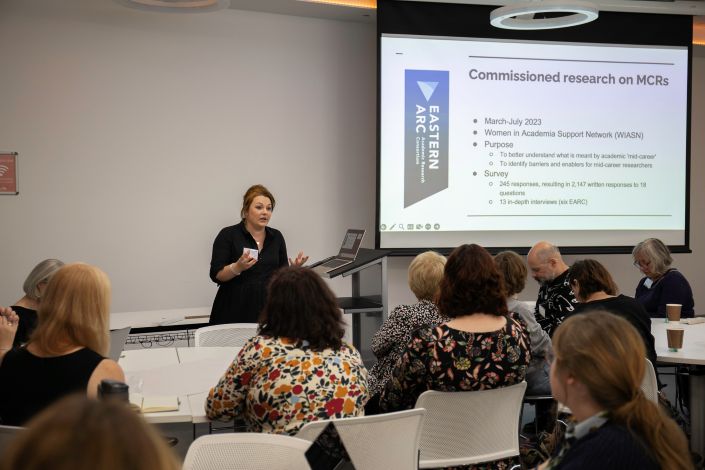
3	169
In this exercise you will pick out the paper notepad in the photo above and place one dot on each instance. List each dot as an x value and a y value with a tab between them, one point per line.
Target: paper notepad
693	321
154	403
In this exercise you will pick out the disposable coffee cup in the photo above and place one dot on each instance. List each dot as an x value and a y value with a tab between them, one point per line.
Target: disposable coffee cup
673	312
675	338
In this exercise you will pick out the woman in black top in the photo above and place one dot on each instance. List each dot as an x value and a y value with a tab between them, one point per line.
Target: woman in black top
245	256
26	308
66	353
596	290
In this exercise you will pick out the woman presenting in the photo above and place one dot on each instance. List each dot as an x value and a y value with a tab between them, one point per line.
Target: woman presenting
245	256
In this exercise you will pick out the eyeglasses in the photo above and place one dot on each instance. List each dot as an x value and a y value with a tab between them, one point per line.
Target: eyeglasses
641	264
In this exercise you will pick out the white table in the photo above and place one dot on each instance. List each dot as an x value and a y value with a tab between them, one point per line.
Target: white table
188	373
693	353
160	318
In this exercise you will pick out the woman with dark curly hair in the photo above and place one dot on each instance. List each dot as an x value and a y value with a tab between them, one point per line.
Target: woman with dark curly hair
480	348
298	368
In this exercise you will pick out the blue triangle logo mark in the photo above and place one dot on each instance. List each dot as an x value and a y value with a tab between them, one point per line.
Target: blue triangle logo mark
427	88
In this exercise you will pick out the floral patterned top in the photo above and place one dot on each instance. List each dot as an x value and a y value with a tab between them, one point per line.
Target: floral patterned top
390	341
277	385
443	358
446	359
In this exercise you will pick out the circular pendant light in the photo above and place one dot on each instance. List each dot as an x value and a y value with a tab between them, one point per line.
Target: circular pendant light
521	15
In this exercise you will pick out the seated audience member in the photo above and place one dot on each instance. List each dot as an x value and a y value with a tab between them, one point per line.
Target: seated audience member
78	433
480	348
26	307
596	290
555	299
66	353
514	272
661	283
298	368
425	274
597	372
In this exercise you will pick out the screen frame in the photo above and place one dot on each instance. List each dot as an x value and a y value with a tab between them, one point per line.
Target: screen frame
458	20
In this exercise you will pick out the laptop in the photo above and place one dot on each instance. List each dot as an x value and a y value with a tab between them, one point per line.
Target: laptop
346	255
118	338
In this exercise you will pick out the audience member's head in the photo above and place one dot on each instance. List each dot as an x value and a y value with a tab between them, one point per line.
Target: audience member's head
471	284
78	433
301	307
425	274
589	276
545	262
75	311
652	257
250	195
513	270
602	355
38	278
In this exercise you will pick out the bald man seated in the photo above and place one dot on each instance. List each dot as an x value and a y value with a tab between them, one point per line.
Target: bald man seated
556	297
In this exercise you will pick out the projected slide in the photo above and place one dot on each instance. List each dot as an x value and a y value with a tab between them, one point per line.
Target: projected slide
580	141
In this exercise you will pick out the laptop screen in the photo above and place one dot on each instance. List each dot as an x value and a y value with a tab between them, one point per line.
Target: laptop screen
351	243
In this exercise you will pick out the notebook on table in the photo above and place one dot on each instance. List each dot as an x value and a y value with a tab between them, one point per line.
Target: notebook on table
346	255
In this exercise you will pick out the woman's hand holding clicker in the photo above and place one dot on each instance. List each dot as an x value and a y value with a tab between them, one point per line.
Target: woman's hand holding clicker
244	263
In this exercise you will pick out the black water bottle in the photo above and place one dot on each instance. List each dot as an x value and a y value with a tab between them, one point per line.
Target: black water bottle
114	390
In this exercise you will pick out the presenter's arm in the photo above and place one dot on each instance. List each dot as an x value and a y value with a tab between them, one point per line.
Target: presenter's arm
233	270
107	369
225	263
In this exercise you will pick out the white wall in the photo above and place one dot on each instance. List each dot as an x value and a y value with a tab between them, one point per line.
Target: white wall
138	132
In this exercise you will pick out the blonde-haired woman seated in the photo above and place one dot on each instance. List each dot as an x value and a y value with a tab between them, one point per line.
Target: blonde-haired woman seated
597	372
425	274
66	353
77	433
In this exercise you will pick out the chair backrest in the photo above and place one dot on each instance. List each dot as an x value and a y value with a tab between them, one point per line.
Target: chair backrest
229	334
7	435
379	442
247	451
462	428
649	385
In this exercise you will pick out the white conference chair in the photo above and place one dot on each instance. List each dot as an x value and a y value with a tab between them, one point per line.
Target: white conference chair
649	385
462	428
379	442
228	334
247	451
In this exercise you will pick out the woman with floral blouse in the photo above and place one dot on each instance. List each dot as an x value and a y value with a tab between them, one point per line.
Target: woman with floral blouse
297	369
480	348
